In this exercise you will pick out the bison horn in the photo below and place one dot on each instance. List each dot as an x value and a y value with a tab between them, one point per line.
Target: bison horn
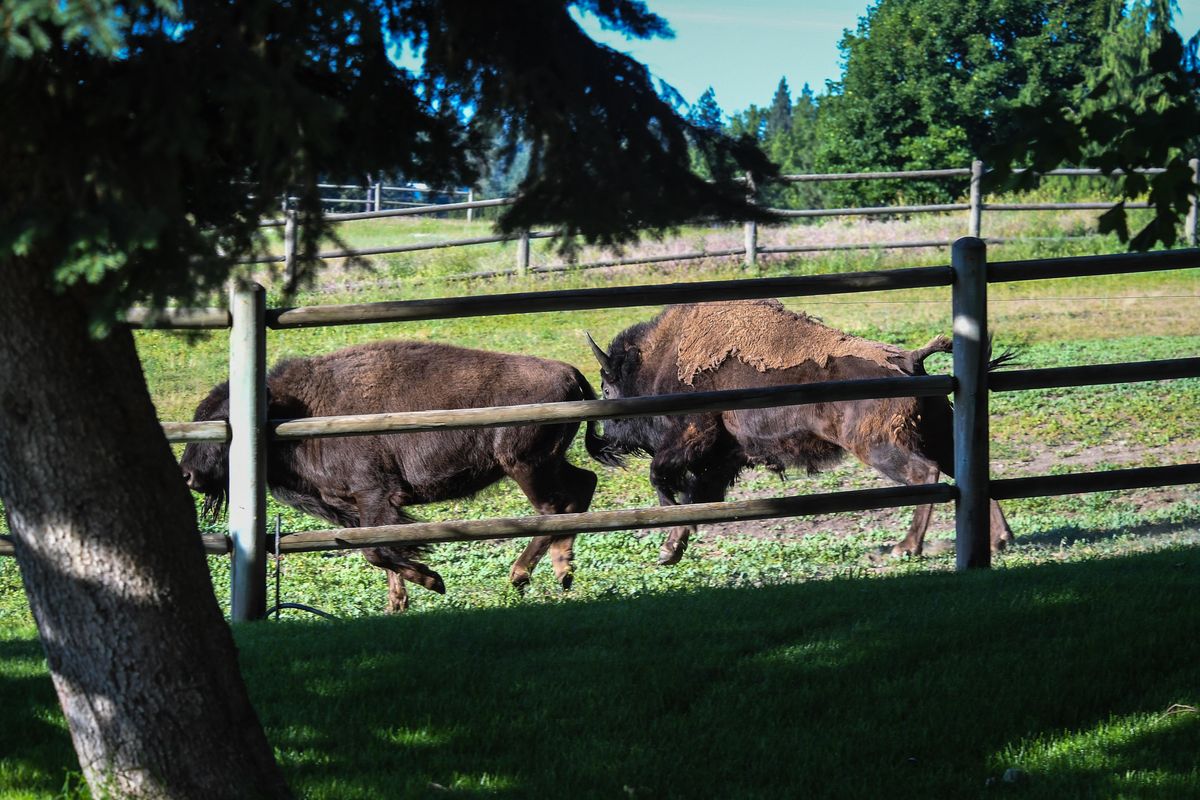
600	355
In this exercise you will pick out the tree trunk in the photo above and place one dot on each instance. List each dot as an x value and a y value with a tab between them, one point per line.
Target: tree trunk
105	533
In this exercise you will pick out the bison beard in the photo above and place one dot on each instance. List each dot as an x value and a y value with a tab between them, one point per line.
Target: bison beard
744	344
369	480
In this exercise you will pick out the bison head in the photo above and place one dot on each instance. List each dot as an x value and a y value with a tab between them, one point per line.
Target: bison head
205	465
620	376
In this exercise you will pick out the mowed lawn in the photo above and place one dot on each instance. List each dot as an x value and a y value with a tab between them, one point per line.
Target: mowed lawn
782	658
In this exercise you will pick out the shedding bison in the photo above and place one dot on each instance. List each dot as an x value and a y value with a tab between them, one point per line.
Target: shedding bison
742	344
370	480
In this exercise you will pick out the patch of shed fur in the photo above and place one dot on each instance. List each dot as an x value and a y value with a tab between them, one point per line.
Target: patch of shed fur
761	333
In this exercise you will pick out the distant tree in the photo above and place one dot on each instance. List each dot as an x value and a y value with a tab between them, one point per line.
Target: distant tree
932	83
142	145
707	113
779	116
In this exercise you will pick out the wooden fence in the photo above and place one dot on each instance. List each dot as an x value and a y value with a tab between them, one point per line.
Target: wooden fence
248	430
976	205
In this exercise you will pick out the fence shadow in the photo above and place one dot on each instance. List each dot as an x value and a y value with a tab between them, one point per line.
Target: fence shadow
907	686
1072	534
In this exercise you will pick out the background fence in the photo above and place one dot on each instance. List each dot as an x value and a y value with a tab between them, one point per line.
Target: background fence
976	206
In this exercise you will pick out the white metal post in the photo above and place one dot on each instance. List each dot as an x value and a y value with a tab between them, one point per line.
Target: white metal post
751	258
976	201
1193	218
470	199
247	452
289	245
523	253
378	196
972	512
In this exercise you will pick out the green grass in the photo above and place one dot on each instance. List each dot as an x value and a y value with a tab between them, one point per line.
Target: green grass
915	686
779	658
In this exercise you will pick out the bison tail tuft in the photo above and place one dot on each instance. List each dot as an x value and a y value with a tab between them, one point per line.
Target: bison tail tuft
598	447
1005	359
601	449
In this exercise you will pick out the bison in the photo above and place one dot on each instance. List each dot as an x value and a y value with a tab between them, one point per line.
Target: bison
370	480
743	344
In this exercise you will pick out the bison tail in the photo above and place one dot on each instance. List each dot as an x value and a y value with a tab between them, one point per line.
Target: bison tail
599	448
938	344
1006	358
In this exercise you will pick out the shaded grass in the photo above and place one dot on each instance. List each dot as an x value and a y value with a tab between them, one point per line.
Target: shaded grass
908	686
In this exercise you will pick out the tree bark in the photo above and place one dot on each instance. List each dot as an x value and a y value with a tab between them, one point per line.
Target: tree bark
105	534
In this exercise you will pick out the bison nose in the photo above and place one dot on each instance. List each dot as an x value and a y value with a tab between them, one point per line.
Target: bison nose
188	478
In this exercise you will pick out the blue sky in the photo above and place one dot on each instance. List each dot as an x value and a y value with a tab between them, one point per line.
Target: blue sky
742	48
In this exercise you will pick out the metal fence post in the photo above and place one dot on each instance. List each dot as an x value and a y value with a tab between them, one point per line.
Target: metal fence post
470	199
972	511
976	200
289	245
379	196
751	258
1193	218
523	253
247	452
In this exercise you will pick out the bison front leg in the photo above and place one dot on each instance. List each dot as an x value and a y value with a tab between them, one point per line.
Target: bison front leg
707	487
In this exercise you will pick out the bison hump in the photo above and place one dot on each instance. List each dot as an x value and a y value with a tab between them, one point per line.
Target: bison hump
760	333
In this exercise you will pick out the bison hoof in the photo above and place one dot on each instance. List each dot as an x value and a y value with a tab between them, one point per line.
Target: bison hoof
669	556
519	581
566	581
905	551
437	584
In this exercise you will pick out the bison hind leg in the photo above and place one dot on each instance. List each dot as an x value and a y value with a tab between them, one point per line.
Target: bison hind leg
400	565
552	488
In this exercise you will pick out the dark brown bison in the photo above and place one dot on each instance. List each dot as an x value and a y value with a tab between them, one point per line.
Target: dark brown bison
369	480
742	344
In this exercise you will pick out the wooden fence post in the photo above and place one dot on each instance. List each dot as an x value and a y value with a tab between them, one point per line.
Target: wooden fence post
972	511
751	258
247	452
289	245
976	201
470	199
1193	218
523	253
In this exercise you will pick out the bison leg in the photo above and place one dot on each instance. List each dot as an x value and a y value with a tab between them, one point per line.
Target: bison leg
914	542
375	508
708	487
1002	534
552	488
519	575
398	564
397	593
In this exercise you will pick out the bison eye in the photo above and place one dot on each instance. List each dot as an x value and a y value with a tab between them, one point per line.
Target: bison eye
604	390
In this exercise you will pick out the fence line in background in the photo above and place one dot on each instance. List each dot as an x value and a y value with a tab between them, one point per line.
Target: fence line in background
975	206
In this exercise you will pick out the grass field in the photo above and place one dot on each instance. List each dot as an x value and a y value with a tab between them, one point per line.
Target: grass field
780	657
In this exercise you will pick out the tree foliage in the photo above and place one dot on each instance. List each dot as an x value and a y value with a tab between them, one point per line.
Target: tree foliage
931	83
1139	108
198	118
